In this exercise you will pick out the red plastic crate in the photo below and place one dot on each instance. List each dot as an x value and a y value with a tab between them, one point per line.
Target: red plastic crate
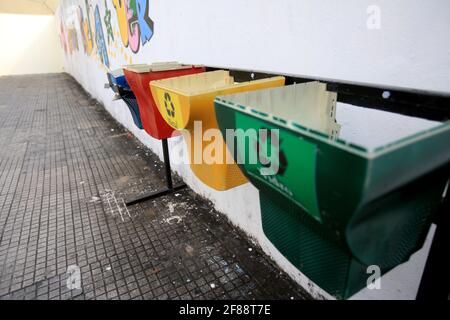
139	77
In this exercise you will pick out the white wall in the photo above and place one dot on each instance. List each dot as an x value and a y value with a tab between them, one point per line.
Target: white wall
29	44
321	38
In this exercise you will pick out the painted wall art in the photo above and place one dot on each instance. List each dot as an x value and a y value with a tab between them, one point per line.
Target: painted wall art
105	29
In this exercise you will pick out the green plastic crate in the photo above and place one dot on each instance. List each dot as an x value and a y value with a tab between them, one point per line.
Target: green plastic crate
336	207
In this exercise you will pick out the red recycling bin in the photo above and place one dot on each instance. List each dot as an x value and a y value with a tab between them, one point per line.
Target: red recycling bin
139	77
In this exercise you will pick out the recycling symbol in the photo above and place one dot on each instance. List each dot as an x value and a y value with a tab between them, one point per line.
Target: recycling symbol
168	103
264	142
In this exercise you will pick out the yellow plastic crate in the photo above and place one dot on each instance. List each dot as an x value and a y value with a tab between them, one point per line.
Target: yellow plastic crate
184	100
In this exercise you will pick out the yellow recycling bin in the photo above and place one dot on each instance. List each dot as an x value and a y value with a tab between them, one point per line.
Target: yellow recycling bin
187	102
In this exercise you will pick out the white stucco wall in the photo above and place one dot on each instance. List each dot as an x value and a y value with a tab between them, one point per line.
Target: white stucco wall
29	44
321	38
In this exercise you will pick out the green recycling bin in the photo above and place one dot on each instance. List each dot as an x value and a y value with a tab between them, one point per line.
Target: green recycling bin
330	206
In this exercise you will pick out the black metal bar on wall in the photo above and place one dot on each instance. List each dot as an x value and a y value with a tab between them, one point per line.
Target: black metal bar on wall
423	104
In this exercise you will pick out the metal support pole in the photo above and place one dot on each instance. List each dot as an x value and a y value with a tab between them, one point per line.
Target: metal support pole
165	148
170	188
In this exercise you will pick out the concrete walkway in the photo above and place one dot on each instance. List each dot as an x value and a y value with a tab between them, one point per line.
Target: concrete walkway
65	165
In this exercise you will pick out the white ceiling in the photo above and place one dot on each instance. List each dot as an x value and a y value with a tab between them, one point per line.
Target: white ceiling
39	7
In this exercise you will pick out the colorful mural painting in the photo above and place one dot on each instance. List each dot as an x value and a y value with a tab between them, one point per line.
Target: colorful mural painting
100	39
68	37
86	30
146	24
62	36
99	29
135	25
72	40
107	20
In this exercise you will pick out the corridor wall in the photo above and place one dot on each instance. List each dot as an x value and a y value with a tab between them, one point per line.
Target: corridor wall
29	44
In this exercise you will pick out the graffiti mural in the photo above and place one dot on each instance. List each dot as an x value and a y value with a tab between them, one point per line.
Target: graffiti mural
104	28
86	30
107	20
62	37
122	21
68	37
135	25
100	39
145	23
72	40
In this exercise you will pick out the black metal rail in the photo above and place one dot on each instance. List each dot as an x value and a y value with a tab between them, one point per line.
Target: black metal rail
422	104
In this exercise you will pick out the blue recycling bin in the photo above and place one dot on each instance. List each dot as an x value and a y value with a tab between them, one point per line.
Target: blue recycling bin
120	86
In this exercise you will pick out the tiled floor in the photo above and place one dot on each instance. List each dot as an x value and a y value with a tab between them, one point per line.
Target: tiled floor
61	158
